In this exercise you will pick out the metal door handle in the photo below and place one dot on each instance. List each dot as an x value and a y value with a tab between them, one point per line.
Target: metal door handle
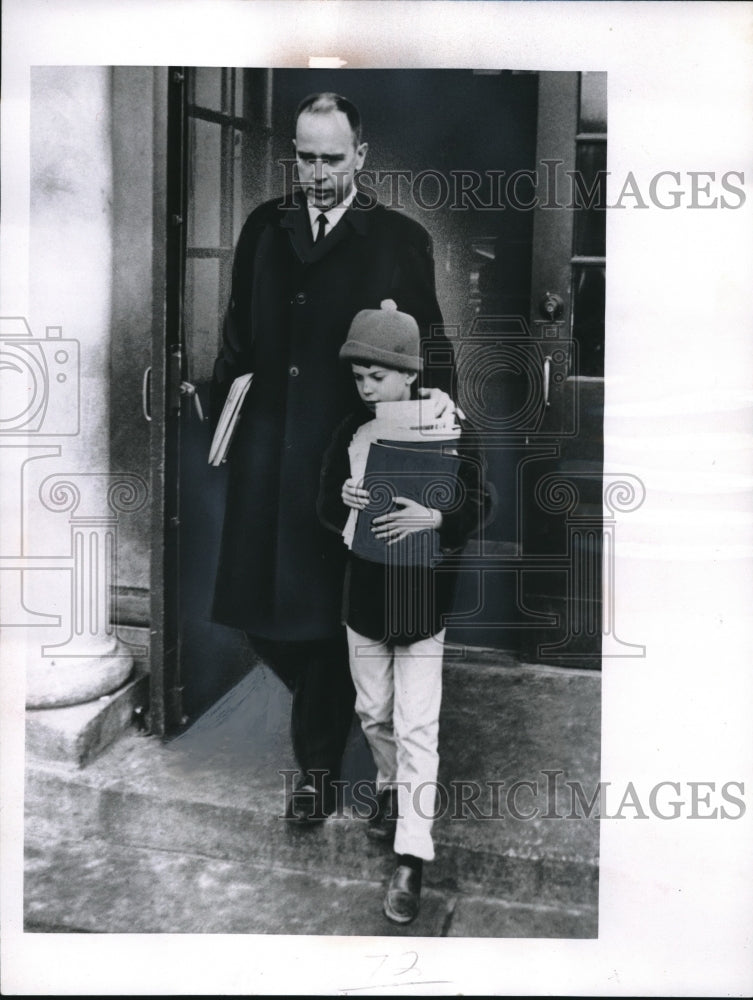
551	306
547	371
189	389
146	386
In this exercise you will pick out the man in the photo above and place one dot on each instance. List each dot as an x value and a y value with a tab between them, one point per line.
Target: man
304	266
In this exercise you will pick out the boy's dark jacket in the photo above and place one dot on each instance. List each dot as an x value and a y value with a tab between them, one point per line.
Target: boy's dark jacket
401	604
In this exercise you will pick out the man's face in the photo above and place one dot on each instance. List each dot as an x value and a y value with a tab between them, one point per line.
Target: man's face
327	157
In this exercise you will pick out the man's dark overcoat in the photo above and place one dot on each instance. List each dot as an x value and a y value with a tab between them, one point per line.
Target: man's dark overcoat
280	571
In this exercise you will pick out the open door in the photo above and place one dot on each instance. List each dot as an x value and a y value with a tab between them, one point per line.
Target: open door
215	134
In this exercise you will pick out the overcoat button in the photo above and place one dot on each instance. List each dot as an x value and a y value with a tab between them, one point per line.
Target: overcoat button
294	370
300	298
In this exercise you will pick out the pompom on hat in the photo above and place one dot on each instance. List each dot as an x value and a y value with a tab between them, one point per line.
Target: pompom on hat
384	336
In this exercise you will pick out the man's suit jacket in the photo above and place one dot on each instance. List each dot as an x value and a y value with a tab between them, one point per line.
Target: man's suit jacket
280	572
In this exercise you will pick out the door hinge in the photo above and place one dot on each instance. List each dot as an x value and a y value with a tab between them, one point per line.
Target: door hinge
175	706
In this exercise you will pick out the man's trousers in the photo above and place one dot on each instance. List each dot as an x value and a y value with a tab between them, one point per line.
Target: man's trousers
316	672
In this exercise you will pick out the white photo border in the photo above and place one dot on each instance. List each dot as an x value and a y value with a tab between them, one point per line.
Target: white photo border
675	914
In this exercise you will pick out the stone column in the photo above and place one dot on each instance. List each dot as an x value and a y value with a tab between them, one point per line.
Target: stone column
70	292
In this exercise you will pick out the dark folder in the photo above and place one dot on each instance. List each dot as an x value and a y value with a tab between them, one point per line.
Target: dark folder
424	471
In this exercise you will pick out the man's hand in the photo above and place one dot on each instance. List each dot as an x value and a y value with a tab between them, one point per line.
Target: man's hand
354	496
445	404
400	523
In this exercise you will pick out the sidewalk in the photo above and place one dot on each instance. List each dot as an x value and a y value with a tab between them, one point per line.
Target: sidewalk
187	837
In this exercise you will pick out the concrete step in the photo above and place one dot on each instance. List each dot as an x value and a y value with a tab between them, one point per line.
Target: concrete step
150	892
216	793
536	728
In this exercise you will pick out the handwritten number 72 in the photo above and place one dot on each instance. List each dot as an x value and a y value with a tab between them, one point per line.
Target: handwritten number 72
411	957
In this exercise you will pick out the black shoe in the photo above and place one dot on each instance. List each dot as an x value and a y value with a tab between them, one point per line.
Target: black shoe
403	897
308	804
382	826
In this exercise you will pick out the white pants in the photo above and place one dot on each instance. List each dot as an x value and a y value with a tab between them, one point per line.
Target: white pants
398	695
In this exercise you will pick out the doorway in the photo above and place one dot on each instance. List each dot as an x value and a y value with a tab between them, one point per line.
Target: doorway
460	151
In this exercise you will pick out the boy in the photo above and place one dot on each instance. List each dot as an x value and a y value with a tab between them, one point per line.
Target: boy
394	603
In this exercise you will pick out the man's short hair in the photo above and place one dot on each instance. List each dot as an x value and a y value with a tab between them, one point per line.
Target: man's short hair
325	102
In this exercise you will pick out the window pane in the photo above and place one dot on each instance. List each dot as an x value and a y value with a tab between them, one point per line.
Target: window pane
204	192
590	192
202	322
589	283
593	102
208	88
239	215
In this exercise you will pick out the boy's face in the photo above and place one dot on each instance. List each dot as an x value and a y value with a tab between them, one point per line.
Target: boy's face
377	384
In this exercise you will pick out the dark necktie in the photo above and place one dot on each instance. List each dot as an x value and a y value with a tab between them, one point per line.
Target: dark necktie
321	220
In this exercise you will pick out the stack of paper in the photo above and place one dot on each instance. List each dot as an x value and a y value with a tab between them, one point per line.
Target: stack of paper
229	418
414	420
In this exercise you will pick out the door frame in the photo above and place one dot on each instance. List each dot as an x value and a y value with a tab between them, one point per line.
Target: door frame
551	271
561	493
165	709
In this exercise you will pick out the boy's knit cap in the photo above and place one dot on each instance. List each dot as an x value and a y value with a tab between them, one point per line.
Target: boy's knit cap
384	336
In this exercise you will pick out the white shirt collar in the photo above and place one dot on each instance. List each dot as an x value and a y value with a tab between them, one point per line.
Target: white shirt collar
333	215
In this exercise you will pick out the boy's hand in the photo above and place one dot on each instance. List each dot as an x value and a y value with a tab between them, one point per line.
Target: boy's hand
445	404
400	523
354	496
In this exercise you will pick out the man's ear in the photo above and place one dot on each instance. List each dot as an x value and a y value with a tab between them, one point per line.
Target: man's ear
410	377
361	154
